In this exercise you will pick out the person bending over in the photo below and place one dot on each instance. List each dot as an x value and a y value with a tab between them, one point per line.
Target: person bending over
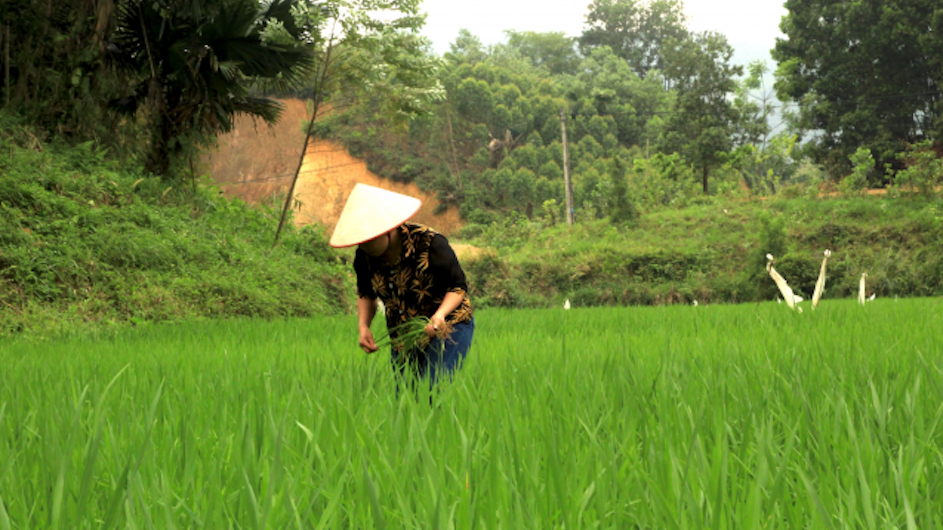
414	271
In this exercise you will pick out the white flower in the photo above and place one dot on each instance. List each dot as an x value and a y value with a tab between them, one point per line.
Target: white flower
695	303
566	305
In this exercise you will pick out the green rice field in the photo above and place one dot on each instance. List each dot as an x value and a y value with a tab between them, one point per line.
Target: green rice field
720	417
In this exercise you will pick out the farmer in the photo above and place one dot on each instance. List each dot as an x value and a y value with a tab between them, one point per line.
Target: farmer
414	271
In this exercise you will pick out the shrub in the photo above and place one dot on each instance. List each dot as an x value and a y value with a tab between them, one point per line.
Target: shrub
862	164
622	209
83	240
924	171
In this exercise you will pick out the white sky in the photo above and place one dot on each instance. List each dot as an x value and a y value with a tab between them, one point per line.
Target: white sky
751	26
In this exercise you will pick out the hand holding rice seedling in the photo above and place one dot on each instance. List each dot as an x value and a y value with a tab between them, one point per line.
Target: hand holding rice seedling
408	336
410	271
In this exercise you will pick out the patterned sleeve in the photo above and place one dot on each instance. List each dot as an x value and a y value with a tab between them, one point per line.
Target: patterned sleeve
364	285
445	266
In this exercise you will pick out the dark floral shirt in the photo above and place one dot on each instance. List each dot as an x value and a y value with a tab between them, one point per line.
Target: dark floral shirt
416	284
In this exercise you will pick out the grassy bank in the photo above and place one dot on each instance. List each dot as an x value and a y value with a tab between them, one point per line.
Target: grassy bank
714	253
746	416
86	243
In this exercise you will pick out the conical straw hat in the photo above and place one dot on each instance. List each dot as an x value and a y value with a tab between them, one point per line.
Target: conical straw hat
371	212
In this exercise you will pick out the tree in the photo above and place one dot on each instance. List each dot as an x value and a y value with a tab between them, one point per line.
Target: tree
554	51
635	31
474	100
466	48
191	64
702	124
865	74
621	208
52	75
381	62
607	86
754	104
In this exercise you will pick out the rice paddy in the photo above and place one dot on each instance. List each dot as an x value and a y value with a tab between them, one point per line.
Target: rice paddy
747	417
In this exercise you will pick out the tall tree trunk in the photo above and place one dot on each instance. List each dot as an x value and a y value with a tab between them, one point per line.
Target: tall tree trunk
158	160
24	71
47	27
6	67
105	12
704	178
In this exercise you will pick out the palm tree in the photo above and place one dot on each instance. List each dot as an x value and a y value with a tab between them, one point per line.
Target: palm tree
191	64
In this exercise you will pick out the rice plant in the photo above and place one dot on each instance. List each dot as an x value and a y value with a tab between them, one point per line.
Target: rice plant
657	417
410	335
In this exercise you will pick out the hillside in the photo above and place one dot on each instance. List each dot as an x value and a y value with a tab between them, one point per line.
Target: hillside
86	243
255	163
715	253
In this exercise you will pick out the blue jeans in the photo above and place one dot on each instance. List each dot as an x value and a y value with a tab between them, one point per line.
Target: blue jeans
440	357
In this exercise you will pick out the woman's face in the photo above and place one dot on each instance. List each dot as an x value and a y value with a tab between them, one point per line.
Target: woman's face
376	246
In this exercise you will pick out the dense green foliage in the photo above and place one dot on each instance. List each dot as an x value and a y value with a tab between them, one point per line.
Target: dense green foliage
149	79
704	120
639	86
156	80
87	242
494	145
84	241
713	252
681	417
189	65
55	74
639	32
865	74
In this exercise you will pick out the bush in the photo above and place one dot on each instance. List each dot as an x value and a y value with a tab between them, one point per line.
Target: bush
862	165
663	180
772	236
85	241
622	209
924	171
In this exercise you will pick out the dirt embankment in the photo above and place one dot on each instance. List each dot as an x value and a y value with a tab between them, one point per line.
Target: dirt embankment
256	162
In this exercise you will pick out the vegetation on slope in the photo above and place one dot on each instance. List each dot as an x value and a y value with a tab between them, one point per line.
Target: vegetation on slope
86	243
83	240
714	252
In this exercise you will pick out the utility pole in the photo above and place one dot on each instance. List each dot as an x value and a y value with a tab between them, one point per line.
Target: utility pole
567	185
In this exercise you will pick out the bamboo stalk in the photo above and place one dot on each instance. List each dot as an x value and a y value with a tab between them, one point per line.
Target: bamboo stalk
6	67
318	95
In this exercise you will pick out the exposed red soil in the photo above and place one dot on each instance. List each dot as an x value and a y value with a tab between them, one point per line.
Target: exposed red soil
255	162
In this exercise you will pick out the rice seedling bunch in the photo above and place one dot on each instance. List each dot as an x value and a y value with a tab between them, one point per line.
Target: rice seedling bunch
408	336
